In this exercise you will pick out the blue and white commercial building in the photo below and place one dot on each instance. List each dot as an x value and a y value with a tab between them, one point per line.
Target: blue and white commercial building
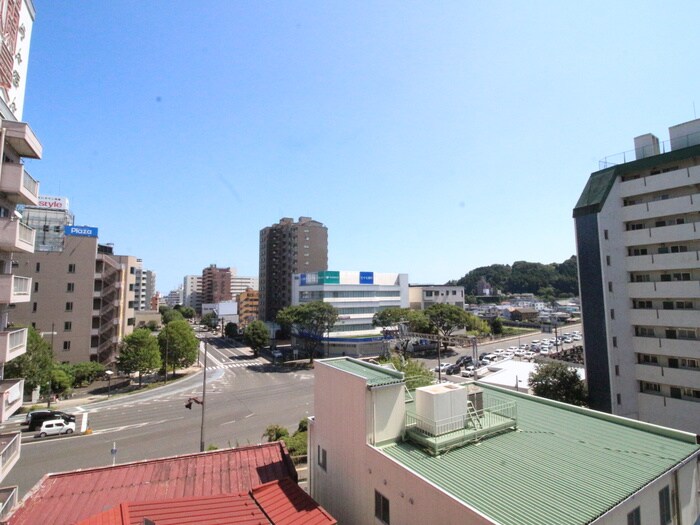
357	296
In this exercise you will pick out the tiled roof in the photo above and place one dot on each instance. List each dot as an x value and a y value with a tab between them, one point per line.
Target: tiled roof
285	503
69	497
562	464
375	375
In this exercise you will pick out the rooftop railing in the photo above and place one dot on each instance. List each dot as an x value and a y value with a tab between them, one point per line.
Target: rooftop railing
650	150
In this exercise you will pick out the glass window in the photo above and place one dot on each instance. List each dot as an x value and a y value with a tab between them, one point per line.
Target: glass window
69	306
71	268
381	508
70	287
66	345
67	326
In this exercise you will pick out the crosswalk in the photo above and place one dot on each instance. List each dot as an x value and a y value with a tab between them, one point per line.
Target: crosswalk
256	362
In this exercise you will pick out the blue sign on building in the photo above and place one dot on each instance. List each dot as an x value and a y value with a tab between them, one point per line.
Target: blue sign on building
302	279
81	231
366	277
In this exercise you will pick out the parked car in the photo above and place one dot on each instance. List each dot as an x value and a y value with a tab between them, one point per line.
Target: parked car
54	427
442	367
529	355
36	418
465	360
468	371
453	369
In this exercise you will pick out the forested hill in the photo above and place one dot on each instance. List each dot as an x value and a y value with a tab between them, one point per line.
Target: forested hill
555	279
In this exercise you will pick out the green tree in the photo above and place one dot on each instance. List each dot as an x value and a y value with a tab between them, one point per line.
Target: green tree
187	312
86	372
209	320
497	326
559	382
415	372
139	352
275	433
172	315
256	336
414	321
178	345
446	318
311	321
231	330
61	378
34	365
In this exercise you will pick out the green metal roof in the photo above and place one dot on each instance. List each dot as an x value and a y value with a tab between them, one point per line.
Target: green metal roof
375	375
561	466
600	182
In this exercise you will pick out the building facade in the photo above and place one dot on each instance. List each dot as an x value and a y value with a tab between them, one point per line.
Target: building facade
422	296
240	284
83	295
144	287
287	248
192	292
248	302
216	284
638	245
479	454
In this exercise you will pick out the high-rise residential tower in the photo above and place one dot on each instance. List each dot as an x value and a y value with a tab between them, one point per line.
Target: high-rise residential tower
638	240
216	284
287	248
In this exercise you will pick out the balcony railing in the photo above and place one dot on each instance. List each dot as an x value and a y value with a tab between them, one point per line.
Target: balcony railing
11	390
16	237
12	344
10	445
14	289
18	184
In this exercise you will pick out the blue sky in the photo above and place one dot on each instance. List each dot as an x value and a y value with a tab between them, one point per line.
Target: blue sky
429	137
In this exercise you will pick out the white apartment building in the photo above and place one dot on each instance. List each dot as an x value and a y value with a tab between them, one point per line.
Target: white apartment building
357	296
475	454
638	241
240	284
144	287
422	296
192	292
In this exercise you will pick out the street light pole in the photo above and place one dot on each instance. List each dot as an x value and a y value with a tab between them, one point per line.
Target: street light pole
204	394
42	334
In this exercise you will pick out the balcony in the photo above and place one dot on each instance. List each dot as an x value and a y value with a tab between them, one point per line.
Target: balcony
684	377
22	139
19	186
667	290
687	348
657	317
16	237
8	499
13	343
649	210
662	261
662	234
15	289
10	446
12	391
660	182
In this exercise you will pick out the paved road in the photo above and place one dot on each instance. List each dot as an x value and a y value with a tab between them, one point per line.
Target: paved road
244	395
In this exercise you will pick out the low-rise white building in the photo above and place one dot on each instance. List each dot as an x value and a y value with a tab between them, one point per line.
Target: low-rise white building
357	296
421	296
478	454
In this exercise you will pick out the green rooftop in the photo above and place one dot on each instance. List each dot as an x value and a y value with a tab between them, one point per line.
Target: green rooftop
561	466
375	375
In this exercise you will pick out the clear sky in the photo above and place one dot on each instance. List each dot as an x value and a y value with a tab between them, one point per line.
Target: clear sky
429	137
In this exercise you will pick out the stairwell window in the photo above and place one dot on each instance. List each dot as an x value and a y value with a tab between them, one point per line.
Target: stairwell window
381	508
71	268
321	457
66	346
69	306
634	517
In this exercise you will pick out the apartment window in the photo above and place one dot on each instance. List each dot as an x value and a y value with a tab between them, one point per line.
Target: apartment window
607	260
605	234
681	276
651	387
34	307
619	399
69	306
70	287
321	457
38	267
679	249
614	339
131	287
676	392
637	251
610	286
634	517
67	326
663	249
381	508
648	359
644	331
686	333
668	305
689	363
642	305
71	268
612	313
66	345
36	286
617	371
132	270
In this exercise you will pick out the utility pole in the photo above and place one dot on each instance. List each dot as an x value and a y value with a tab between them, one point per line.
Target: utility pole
204	394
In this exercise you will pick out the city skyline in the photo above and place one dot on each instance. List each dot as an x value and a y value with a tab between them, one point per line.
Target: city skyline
429	139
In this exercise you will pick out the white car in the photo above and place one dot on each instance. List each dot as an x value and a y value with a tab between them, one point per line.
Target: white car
442	367
54	427
498	352
468	371
529	355
512	348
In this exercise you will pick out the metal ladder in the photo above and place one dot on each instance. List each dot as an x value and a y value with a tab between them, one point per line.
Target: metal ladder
473	416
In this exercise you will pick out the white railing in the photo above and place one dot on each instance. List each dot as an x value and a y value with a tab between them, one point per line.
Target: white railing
26	233
21	285
30	184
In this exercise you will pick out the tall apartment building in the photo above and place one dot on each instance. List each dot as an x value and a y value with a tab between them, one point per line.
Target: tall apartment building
216	284
287	248
144	287
82	293
240	284
192	292
638	241
174	297
248	304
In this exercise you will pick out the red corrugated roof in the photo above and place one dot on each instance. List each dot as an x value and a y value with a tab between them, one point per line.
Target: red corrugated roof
233	509
69	497
285	503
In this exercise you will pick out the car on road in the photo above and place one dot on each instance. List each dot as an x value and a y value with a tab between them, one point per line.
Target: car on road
465	360
453	369
55	427
442	367
529	355
35	419
468	371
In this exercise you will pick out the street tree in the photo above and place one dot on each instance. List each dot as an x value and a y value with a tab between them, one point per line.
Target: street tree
171	315
256	336
178	345
187	312
139	352
311	322
415	372
559	382
209	320
231	330
86	372
34	365
414	321
445	319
